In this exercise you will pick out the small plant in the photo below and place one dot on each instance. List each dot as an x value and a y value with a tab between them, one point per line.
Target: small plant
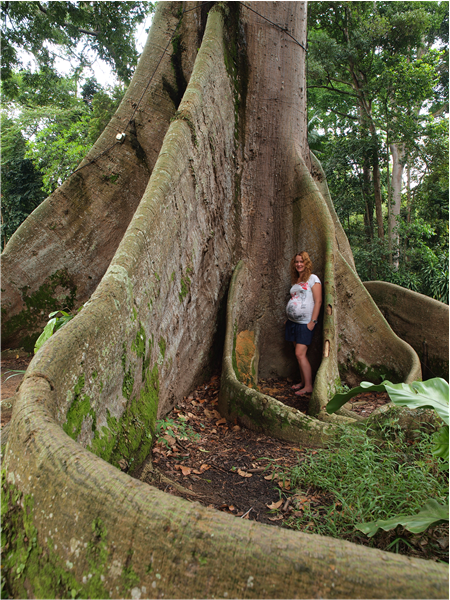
177	429
433	394
359	478
54	323
14	372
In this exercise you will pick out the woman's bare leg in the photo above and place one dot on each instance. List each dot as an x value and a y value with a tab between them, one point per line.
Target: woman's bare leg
305	369
299	386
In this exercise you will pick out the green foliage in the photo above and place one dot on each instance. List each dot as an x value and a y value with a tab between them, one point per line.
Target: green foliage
431	514
47	125
21	181
52	326
378	75
433	394
48	30
364	478
178	428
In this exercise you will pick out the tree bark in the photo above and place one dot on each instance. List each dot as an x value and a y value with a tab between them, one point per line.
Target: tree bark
232	195
57	257
398	162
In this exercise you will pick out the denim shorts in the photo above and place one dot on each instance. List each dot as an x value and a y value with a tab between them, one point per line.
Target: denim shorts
298	333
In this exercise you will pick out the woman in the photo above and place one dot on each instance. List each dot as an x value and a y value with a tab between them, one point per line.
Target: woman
303	311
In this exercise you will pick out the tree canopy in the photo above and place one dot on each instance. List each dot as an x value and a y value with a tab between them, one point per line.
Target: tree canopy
378	91
51	117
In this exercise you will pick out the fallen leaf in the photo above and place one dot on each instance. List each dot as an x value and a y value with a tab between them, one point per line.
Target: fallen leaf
183	469
275	505
205	467
231	507
285	485
196	471
170	440
236	428
220	422
268	477
277	518
243	473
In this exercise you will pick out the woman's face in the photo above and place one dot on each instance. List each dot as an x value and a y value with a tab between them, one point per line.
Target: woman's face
299	264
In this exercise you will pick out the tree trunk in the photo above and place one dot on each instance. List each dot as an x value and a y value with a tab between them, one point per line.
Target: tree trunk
57	257
232	195
377	188
398	162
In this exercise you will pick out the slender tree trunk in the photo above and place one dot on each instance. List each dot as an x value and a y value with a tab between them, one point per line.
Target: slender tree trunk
398	161
408	192
377	184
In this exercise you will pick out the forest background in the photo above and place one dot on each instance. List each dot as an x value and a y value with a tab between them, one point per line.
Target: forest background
377	112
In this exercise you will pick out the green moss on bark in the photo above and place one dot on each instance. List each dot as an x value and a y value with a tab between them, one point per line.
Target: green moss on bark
57	292
79	410
29	566
130	437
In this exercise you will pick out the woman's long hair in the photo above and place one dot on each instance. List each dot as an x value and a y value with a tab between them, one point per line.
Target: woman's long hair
307	271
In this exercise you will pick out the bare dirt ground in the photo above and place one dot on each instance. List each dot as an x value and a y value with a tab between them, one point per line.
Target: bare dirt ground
12	361
230	468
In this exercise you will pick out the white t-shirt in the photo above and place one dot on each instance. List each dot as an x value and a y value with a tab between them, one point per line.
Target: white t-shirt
301	305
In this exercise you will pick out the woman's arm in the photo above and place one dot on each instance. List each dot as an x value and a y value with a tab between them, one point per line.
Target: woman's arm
317	296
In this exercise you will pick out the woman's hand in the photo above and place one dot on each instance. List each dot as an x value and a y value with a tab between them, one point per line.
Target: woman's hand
310	325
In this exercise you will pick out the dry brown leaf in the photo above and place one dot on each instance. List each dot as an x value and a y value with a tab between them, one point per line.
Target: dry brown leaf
275	505
183	469
220	422
277	518
268	477
197	472
285	485
170	440
231	508
204	467
243	473
236	428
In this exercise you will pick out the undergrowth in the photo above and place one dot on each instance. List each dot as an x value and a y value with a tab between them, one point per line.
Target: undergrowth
176	428
361	478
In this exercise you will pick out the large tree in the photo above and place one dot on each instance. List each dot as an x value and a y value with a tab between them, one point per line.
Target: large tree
215	181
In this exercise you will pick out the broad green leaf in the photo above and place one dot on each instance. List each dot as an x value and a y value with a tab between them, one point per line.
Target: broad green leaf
62	321
432	513
48	331
432	393
339	400
441	442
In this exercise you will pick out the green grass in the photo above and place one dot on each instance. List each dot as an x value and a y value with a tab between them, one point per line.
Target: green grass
363	478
